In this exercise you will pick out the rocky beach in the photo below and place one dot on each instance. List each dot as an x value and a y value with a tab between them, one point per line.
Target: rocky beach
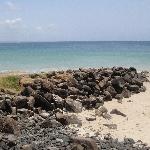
84	109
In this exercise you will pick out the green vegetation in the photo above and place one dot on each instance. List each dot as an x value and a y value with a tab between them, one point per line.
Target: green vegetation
10	82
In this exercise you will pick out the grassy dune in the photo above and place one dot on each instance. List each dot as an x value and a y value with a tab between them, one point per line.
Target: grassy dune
10	82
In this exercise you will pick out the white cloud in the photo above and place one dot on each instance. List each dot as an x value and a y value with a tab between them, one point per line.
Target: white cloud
11	23
11	6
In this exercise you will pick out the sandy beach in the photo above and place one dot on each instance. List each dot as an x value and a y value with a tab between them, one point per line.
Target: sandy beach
135	125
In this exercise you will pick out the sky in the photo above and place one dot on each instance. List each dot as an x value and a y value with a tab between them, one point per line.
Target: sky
74	20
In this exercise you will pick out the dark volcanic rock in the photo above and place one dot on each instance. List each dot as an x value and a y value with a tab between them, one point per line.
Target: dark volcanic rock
47	86
119	96
42	102
73	105
61	92
66	120
21	102
49	97
5	105
87	89
27	91
126	93
134	88
118	84
63	119
111	90
92	102
132	69
137	81
107	96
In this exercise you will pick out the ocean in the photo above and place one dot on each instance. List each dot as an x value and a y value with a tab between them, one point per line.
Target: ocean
45	56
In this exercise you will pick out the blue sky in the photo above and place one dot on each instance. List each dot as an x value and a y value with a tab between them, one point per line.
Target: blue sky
69	20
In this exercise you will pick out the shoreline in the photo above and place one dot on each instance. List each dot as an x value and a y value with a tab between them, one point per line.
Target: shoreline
19	72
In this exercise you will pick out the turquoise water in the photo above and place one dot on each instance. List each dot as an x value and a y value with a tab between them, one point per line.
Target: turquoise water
33	57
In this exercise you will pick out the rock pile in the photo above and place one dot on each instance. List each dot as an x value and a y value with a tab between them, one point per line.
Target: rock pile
34	118
74	89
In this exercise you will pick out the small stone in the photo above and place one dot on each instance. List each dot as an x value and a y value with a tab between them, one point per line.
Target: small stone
111	126
117	112
119	97
44	115
90	118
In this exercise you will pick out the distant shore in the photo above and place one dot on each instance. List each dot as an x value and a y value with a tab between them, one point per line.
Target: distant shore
19	72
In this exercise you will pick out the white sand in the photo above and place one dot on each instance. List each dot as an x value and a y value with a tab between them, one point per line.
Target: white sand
136	125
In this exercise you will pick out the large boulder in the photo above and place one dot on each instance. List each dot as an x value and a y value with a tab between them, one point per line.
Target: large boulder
134	88
137	81
49	97
47	86
63	93
118	84
73	105
92	102
132	69
5	105
107	96
42	102
63	119
119	97
126	93
111	90
67	119
27	91
87	89
127	78
21	102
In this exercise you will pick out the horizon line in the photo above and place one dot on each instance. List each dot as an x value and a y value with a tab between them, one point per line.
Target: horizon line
74	41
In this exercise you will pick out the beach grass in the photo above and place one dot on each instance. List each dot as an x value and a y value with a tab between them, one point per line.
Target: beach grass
10	82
